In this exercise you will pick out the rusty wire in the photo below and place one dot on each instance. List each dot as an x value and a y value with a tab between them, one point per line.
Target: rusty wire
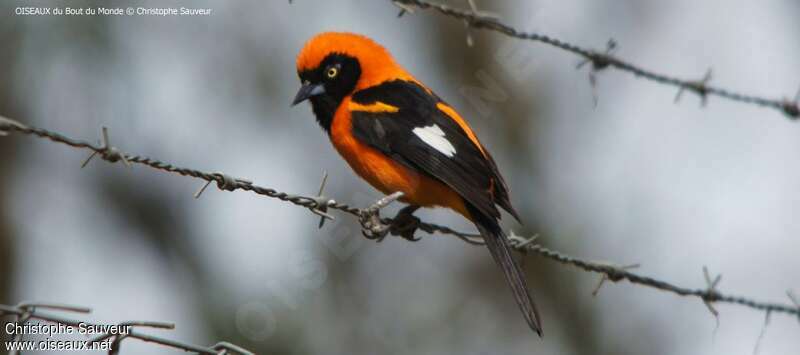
321	205
27	311
601	60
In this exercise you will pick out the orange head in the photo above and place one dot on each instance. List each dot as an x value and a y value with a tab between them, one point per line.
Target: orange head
333	65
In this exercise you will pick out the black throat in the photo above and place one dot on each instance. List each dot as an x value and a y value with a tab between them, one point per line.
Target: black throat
324	107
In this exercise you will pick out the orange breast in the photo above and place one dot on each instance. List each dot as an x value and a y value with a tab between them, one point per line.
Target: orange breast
385	174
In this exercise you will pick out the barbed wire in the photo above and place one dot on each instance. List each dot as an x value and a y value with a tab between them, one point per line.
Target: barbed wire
601	60
26	311
375	227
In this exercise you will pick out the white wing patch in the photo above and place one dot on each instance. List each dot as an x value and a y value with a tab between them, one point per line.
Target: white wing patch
433	136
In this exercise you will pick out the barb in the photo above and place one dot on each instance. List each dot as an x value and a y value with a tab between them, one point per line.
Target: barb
322	203
484	14
224	182
712	290
604	59
107	151
404	9
598	66
795	300
25	312
699	87
761	334
608	271
604	277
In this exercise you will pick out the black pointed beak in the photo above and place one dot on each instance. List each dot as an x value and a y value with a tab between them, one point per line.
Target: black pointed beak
307	91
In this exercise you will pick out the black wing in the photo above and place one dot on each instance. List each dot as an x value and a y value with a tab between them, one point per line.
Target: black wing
466	170
449	156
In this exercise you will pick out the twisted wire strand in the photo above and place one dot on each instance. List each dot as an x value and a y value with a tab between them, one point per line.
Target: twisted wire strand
611	272
27	312
602	60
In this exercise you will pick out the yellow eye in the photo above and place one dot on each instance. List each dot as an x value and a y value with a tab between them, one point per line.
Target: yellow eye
332	72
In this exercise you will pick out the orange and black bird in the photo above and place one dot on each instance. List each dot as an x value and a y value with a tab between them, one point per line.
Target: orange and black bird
400	136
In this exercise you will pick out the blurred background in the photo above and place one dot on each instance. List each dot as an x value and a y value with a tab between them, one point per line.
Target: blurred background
635	179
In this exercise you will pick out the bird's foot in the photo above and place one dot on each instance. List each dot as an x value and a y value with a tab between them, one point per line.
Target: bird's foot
404	224
372	226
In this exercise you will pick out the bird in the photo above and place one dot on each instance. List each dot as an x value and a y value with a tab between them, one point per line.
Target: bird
399	136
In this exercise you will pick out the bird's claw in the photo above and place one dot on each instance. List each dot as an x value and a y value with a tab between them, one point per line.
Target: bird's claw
404	224
373	228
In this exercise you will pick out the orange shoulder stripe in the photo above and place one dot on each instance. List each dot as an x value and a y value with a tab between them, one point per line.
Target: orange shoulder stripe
376	107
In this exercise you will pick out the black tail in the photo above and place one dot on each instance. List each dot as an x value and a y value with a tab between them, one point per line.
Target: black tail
498	245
